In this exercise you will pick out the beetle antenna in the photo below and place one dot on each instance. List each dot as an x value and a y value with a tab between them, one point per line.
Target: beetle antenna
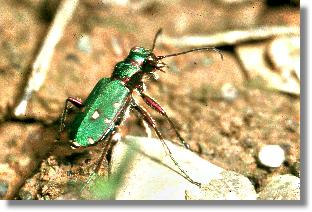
155	38
192	50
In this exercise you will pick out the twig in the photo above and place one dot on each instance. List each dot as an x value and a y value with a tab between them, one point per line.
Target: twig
230	37
41	65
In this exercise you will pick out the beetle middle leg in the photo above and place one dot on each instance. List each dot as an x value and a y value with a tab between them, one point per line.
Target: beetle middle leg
147	117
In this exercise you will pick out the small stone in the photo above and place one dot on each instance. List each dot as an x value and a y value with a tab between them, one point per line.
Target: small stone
248	115
24	161
25	195
229	92
282	187
271	156
291	125
249	142
225	127
116	46
3	188
237	122
84	44
68	196
295	168
52	161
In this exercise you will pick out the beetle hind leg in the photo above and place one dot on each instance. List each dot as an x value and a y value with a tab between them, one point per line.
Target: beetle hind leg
109	141
146	116
154	105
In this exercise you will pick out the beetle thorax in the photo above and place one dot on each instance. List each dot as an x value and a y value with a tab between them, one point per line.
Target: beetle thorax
134	63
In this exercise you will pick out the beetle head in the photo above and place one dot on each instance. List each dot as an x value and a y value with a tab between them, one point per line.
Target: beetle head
141	61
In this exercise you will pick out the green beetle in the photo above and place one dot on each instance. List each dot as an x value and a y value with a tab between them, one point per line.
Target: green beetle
107	104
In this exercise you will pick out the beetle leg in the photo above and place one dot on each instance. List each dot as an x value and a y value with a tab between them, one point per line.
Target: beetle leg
105	150
107	146
76	102
153	104
147	117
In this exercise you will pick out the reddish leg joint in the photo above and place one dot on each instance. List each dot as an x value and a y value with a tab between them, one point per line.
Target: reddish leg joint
153	104
74	101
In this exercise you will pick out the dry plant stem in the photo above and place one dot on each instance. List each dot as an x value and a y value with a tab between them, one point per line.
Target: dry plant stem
229	37
42	62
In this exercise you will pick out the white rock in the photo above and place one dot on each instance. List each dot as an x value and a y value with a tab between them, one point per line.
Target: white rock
282	187
271	156
254	60
84	43
229	92
230	186
284	54
151	175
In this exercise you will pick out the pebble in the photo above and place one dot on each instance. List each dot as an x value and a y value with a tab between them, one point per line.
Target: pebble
282	187
25	195
229	92
271	156
249	142
3	188
84	44
248	115
116	46
291	125
295	168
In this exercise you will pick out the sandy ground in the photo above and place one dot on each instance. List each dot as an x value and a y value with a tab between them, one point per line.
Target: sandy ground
227	133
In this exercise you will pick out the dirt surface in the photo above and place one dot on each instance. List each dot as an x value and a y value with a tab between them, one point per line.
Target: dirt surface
227	132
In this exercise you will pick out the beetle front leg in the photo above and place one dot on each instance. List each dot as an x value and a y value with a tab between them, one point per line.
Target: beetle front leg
76	102
147	117
153	104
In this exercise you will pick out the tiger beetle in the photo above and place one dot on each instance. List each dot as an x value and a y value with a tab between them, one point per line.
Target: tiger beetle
106	107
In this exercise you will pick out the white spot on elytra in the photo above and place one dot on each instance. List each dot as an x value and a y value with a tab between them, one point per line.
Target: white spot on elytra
90	140
107	121
95	115
116	105
76	144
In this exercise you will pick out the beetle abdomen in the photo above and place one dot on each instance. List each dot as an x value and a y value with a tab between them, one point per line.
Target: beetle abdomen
100	113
